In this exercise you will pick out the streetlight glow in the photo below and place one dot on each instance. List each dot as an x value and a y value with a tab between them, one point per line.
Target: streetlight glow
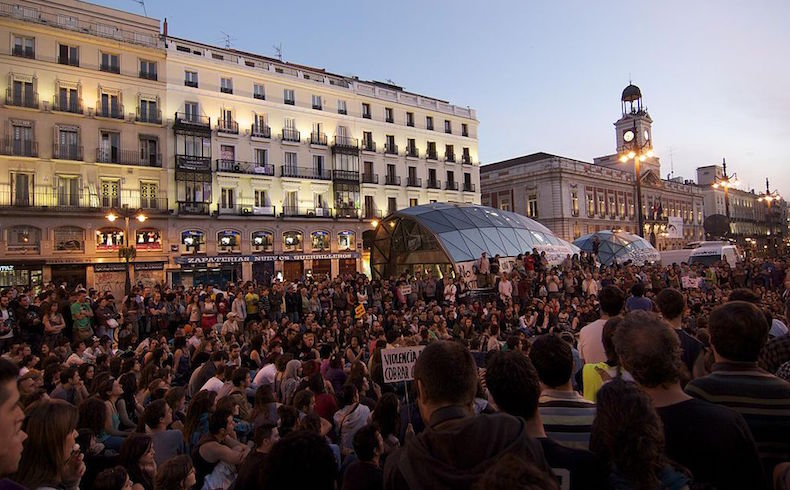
111	217
141	218
374	223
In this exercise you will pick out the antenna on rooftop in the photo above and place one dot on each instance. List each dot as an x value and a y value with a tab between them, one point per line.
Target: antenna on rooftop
142	3
278	51
227	39
671	162
390	81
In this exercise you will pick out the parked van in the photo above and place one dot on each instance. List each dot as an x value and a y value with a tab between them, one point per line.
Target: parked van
708	253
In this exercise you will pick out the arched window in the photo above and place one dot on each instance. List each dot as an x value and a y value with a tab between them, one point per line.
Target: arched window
228	241
193	241
23	238
346	240
292	241
69	239
109	239
320	240
148	239
262	241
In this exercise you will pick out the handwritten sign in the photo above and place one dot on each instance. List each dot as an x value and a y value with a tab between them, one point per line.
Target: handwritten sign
398	363
359	311
690	282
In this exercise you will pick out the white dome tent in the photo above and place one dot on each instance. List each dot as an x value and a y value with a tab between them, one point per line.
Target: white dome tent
619	247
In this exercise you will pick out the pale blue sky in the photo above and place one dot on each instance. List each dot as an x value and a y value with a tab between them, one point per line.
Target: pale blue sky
547	75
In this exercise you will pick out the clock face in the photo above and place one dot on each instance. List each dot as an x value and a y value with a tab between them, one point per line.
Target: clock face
647	135
628	136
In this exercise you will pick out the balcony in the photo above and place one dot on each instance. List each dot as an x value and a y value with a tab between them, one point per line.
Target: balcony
365	115
430	154
391	149
19	147
248	209
466	159
451	186
306	212
239	167
194	208
368	145
187	121
318	107
227	126
128	157
465	132
66	152
412	152
148	75
193	163
25	52
318	138
289	102
371	213
413	182
259	96
391	180
449	157
345	176
434	184
370	178
65	60
67	104
109	109
110	68
258	131
346	143
292	135
470	187
21	99
191	83
305	172
148	116
347	213
63	200
226	90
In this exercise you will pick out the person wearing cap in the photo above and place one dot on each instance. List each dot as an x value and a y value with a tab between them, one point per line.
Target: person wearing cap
231	324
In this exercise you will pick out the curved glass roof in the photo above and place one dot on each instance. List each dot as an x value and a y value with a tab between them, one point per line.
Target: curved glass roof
466	230
619	247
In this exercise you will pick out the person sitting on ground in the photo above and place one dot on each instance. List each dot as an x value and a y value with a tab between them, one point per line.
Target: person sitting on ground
591	345
637	300
712	441
365	473
176	473
265	437
166	442
218	448
671	304
303	459
11	418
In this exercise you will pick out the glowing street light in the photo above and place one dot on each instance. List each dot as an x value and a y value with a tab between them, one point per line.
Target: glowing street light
638	153
127	251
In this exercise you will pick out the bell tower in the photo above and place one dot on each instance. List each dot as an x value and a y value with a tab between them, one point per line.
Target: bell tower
634	128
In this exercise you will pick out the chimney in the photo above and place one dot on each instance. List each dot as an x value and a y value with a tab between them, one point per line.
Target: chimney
164	27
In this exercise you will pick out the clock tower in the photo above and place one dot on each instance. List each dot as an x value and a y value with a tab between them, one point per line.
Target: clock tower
634	127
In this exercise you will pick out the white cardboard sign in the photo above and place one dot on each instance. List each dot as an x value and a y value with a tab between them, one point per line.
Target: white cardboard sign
398	363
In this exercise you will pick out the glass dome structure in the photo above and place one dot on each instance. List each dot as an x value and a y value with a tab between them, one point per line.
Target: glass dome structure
447	238
618	247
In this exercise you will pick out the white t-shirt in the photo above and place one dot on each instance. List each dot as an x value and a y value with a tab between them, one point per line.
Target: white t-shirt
591	342
265	376
213	384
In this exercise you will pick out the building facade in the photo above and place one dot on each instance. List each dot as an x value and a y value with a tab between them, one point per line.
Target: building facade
241	165
574	198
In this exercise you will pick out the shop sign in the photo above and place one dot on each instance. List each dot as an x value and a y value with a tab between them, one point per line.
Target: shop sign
6	268
109	267
149	266
238	259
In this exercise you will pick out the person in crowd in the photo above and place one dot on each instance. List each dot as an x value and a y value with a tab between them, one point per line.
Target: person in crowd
351	416
138	457
446	378
738	331
11	419
177	473
166	442
303	459
514	386
366	472
71	387
590	336
672	304
265	437
567	416
217	453
112	479
595	375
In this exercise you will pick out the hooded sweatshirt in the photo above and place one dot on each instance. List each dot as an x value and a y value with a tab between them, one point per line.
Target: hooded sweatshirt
456	449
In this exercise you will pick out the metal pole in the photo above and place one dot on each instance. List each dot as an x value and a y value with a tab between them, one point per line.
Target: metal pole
639	217
128	280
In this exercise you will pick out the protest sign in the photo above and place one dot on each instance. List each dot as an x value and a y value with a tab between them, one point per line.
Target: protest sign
398	363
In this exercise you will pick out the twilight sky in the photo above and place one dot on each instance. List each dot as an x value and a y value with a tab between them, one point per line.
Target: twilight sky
547	75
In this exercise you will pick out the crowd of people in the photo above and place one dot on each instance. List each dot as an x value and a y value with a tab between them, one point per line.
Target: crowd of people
566	376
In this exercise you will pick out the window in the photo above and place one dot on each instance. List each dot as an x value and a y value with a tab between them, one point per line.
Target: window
262	241
346	240
370	207
194	241
290	162
148	69
191	111
228	241
110	105
392	205
319	169
466	157
448	126
68	55
431	176
366	110
450	177
68	190
601	205
292	241
590	205
23	94
341	107
23	238
69	239
227	198
259	91
261	156
261	200
109	147
389	114
22	143
431	151
464	129
22	189
68	144
367	141
449	153
410	119
148	239
67	100
148	111
109	239
532	206
149	195
429	122
320	240
612	207
413	202
288	96
391	148
226	85
190	78
621	206
24	47
317	102
411	148
575	203
110	193
110	62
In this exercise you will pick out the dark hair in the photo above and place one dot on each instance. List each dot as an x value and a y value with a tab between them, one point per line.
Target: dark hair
288	417
638	289
174	395
110	479
671	303
627	433
447	373
612	300
302	459
607	338
738	331
218	420
263	432
648	349
345	396
240	375
172	473
513	383
514	471
153	414
200	404
365	442
92	415
8	372
553	360
316	384
387	414
104	388
132	449
67	374
744	294
302	400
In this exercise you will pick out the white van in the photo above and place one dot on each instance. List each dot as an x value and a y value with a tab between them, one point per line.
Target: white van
708	253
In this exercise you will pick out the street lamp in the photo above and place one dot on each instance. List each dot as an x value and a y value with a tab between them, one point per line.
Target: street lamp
725	182
638	153
127	252
768	196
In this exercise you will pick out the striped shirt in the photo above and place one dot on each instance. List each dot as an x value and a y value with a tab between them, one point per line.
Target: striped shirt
762	399
567	417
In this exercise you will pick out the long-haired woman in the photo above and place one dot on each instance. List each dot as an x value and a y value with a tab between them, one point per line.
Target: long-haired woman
196	422
137	457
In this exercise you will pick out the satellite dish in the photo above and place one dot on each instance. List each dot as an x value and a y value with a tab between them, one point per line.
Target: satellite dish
716	225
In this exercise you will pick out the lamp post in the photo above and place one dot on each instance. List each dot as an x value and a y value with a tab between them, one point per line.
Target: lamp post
638	153
725	182
127	252
769	197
